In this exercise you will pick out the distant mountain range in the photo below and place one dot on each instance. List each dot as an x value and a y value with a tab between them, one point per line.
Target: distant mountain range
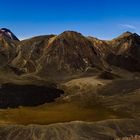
68	52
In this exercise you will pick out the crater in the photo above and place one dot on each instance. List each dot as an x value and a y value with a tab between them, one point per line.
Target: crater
12	95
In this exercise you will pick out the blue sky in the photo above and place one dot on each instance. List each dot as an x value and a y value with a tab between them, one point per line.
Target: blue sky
104	19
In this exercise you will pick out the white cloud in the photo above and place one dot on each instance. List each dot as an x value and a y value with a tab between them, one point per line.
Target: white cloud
127	26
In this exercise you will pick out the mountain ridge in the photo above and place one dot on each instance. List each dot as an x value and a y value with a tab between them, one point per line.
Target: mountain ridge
71	52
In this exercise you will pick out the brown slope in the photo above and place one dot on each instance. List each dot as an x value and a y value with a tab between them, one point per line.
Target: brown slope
125	52
29	53
68	52
8	51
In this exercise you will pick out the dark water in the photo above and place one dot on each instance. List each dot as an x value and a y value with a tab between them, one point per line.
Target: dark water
12	95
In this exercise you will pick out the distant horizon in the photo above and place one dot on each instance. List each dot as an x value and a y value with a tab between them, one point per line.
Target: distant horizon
66	31
57	33
104	19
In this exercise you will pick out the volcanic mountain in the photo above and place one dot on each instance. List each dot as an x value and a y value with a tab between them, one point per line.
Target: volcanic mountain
125	51
8	47
7	33
68	52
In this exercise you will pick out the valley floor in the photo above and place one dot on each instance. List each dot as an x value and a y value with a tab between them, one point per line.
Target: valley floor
91	107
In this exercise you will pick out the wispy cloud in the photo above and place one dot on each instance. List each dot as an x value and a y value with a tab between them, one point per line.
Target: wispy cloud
127	26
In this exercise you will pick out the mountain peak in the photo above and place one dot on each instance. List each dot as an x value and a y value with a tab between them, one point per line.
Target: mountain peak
128	33
125	34
135	34
70	33
7	33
